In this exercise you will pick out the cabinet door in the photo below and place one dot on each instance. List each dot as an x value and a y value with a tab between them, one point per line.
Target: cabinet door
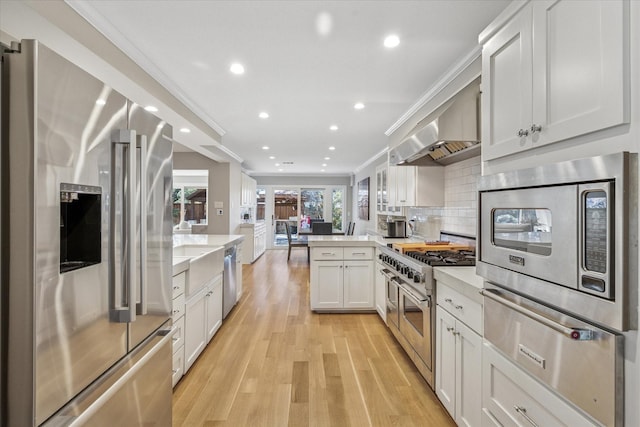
381	293
214	307
469	375
358	284
392	189
513	397
506	87
326	285
446	360
195	338
579	55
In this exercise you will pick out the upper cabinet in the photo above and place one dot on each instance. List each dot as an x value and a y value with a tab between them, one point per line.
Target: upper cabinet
248	187
554	71
407	186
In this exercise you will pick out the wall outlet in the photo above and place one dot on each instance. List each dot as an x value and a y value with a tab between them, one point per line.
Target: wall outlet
219	211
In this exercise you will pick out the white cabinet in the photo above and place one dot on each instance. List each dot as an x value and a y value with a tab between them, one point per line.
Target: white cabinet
381	292
213	302
459	355
248	188
510	396
342	278
255	242
178	310
239	256
415	186
382	196
202	319
556	70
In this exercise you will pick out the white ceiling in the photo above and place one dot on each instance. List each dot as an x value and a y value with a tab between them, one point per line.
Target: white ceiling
307	63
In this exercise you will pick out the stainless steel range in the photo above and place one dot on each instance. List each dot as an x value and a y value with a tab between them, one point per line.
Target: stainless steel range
410	288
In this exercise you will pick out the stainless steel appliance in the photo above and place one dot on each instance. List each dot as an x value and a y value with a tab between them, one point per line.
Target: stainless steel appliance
397	228
411	295
229	286
88	294
557	245
567	235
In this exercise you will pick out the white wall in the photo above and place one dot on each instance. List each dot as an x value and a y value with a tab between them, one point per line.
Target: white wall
369	171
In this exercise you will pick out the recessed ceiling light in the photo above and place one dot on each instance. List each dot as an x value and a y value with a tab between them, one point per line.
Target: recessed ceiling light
391	41
277	164
333	127
324	165
272	157
359	106
185	130
327	158
332	148
237	68
151	108
101	102
280	170
321	170
263	115
264	147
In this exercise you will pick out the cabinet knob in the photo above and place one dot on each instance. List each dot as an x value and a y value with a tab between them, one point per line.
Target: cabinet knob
449	328
523	132
449	300
536	128
458	307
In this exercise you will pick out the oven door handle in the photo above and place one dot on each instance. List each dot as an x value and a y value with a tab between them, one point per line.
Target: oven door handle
414	298
387	273
577	334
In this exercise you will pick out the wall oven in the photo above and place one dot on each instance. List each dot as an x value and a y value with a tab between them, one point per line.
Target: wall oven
558	250
565	234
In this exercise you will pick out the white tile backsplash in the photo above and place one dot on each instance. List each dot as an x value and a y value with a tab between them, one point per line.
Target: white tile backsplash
460	210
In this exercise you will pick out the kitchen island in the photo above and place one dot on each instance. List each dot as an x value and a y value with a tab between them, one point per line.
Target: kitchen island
343	272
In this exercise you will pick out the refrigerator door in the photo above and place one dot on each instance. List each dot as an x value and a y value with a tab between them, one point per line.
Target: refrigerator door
136	392
60	121
154	203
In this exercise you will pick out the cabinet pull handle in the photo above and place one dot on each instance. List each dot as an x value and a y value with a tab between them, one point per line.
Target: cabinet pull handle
523	132
536	128
458	307
523	411
449	329
449	300
328	253
175	288
358	253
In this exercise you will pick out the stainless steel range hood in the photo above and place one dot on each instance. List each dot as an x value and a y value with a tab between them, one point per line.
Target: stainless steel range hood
448	135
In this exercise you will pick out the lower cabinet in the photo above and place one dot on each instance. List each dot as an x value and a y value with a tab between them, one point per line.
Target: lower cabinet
342	278
178	311
255	242
203	318
380	292
458	369
459	355
510	396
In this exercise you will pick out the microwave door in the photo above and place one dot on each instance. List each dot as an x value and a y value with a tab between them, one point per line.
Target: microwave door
532	231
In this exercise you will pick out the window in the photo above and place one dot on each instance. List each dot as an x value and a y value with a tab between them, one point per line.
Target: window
190	196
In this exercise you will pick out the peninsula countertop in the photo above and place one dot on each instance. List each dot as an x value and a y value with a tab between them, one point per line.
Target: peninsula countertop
326	240
226	240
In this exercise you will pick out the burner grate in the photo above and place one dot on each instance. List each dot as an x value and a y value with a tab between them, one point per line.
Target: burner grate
444	258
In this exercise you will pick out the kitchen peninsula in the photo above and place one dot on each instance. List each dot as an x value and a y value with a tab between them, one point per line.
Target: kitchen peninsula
342	272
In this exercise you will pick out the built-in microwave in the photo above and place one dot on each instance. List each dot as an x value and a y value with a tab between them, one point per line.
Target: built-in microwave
565	234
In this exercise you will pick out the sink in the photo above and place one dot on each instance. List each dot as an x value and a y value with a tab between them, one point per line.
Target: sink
205	262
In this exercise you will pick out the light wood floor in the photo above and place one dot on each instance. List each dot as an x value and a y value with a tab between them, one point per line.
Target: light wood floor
276	363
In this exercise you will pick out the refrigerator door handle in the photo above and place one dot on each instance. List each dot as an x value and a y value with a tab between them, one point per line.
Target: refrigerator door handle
141	151
123	279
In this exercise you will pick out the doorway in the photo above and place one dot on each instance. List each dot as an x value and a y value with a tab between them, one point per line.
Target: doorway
285	211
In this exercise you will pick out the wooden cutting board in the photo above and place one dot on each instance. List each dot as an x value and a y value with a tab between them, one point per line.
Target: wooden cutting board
408	247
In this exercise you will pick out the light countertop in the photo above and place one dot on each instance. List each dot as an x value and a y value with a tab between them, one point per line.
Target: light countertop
226	240
462	279
180	264
341	240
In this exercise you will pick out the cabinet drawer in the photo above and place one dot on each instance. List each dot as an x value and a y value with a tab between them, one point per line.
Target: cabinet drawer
511	396
178	366
358	253
326	253
179	281
178	337
462	307
178	308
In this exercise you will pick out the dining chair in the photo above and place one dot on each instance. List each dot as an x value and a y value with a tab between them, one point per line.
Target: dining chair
352	228
347	228
300	242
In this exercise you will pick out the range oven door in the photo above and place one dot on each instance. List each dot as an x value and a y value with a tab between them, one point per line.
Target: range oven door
581	362
415	323
391	286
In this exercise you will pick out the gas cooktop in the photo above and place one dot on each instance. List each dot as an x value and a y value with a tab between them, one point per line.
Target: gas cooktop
444	258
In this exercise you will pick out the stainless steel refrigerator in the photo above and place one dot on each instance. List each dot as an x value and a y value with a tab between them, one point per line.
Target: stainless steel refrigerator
86	265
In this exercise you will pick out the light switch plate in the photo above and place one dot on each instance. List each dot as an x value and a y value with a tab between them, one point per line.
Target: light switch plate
219	211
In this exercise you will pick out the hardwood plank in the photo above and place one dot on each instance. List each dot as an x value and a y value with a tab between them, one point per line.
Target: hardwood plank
274	362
